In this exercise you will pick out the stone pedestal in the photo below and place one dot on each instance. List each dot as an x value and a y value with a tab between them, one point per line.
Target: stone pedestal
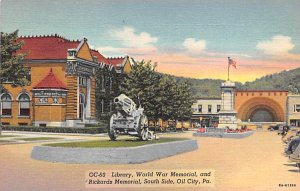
227	114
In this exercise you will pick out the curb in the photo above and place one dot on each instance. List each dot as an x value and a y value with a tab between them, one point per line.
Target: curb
121	155
224	135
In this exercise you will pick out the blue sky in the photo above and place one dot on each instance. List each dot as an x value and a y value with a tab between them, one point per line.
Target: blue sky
187	35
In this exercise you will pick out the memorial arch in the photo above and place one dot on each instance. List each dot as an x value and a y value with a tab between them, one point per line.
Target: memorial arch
261	106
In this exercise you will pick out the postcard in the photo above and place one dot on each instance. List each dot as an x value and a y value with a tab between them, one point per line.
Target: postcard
149	95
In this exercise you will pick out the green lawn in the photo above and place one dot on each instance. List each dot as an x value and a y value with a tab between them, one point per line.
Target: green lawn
5	141
117	143
37	138
4	136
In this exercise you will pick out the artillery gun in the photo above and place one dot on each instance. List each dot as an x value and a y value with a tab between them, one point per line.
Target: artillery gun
128	120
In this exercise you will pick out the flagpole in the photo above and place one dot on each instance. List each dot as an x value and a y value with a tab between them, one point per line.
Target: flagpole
228	68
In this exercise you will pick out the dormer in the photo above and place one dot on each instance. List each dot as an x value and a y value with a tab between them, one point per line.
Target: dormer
95	59
71	53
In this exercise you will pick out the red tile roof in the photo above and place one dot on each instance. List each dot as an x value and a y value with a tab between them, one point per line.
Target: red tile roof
116	61
50	82
100	57
46	47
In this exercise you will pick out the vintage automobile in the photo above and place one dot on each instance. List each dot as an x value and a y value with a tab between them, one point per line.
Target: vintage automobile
273	127
128	120
169	125
292	145
294	132
295	157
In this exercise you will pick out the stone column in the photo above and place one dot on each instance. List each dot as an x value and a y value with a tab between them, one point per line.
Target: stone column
227	115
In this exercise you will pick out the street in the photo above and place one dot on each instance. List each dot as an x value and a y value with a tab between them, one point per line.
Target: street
252	163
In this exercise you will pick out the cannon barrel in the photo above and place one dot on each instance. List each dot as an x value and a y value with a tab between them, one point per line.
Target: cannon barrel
125	105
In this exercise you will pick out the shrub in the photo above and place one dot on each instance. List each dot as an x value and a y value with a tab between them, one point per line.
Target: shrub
87	130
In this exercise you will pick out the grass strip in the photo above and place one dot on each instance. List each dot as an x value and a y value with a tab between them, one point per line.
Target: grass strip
117	143
4	136
37	138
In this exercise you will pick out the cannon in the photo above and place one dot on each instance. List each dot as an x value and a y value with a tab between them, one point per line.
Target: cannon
128	120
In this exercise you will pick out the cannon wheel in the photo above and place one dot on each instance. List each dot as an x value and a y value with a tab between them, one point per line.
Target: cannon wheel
111	132
142	129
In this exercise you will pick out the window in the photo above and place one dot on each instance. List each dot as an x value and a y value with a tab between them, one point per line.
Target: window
55	100
81	106
43	100
82	81
209	109
72	53
218	108
110	105
102	106
23	124
6	104
110	83
297	108
43	125
5	123
200	108
102	84
24	105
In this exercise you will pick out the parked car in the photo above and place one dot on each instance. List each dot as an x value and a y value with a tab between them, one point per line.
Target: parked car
283	129
295	157
295	132
292	145
273	127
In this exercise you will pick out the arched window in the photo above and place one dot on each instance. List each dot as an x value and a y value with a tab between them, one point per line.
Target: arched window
24	105
6	104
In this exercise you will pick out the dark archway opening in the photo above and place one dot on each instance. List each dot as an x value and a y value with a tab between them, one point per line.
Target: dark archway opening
262	115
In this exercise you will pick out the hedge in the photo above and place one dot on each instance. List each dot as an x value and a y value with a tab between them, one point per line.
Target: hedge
87	130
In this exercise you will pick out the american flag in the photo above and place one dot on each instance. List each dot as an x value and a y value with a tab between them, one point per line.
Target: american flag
232	62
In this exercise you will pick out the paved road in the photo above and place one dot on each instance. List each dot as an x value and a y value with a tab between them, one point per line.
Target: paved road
253	163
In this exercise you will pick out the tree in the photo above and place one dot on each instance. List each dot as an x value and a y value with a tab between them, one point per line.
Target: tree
161	95
11	69
167	93
107	88
185	101
141	85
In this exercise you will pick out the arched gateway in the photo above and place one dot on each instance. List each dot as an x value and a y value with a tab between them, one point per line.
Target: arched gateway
261	105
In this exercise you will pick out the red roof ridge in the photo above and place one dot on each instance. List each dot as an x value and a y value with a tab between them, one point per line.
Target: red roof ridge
99	56
46	46
94	50
49	36
50	82
113	58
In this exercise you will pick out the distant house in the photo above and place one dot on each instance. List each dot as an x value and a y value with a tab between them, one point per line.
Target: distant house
122	64
206	111
293	110
63	83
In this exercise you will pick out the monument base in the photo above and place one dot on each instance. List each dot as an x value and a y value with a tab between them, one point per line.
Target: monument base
227	119
230	125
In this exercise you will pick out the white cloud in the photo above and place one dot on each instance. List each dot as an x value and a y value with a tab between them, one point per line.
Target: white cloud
130	38
133	43
279	46
194	46
109	49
